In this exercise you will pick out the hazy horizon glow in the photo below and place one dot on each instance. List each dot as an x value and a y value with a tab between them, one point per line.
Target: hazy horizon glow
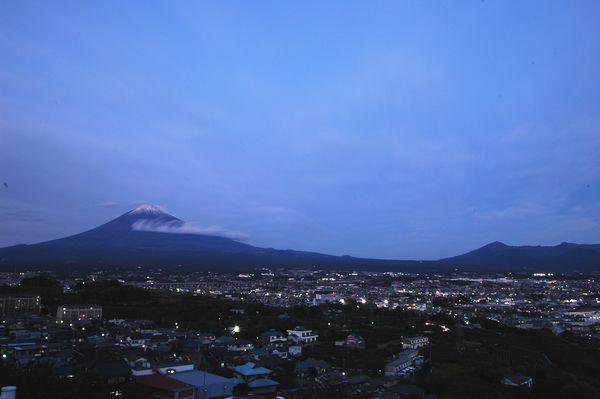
405	130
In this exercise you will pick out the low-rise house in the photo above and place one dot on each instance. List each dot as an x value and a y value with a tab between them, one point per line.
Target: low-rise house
240	345
63	335
404	360
224	340
112	372
518	380
193	345
206	338
280	352
355	341
258	353
251	371
262	387
23	351
295	350
164	387
273	362
160	345
206	385
137	341
312	367
189	384
325	297
66	370
140	324
144	367
23	335
272	337
96	339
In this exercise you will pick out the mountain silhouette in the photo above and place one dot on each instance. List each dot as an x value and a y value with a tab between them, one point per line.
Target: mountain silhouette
147	236
498	256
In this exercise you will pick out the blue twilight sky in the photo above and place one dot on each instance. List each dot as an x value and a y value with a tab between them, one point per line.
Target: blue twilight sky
400	129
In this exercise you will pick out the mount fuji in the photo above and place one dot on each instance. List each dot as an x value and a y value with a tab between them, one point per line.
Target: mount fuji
149	236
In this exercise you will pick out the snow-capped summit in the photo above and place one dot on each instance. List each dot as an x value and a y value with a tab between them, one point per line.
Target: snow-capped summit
146	217
147	209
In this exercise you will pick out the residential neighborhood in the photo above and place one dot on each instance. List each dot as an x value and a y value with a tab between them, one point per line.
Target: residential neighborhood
186	345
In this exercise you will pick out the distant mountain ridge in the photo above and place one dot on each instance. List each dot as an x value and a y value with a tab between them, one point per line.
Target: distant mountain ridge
148	236
499	256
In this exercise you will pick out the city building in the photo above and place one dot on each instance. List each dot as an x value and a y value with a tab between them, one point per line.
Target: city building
17	305
67	313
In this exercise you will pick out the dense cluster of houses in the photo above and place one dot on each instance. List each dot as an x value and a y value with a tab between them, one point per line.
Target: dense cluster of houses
179	364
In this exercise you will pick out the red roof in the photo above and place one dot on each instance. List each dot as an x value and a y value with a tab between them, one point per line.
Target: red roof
163	382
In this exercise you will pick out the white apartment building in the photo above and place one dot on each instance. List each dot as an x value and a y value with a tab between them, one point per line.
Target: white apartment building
414	342
301	336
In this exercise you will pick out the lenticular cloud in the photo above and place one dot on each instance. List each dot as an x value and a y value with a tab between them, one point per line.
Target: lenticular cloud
180	227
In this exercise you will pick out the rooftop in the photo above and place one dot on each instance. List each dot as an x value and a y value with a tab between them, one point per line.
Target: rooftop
262	383
199	378
251	369
163	382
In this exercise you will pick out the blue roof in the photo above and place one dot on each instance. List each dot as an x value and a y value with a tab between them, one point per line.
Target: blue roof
199	378
262	383
251	369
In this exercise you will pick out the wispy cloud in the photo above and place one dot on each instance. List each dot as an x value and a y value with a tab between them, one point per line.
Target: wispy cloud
179	227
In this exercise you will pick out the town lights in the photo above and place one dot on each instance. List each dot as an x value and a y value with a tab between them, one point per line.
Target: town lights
236	329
